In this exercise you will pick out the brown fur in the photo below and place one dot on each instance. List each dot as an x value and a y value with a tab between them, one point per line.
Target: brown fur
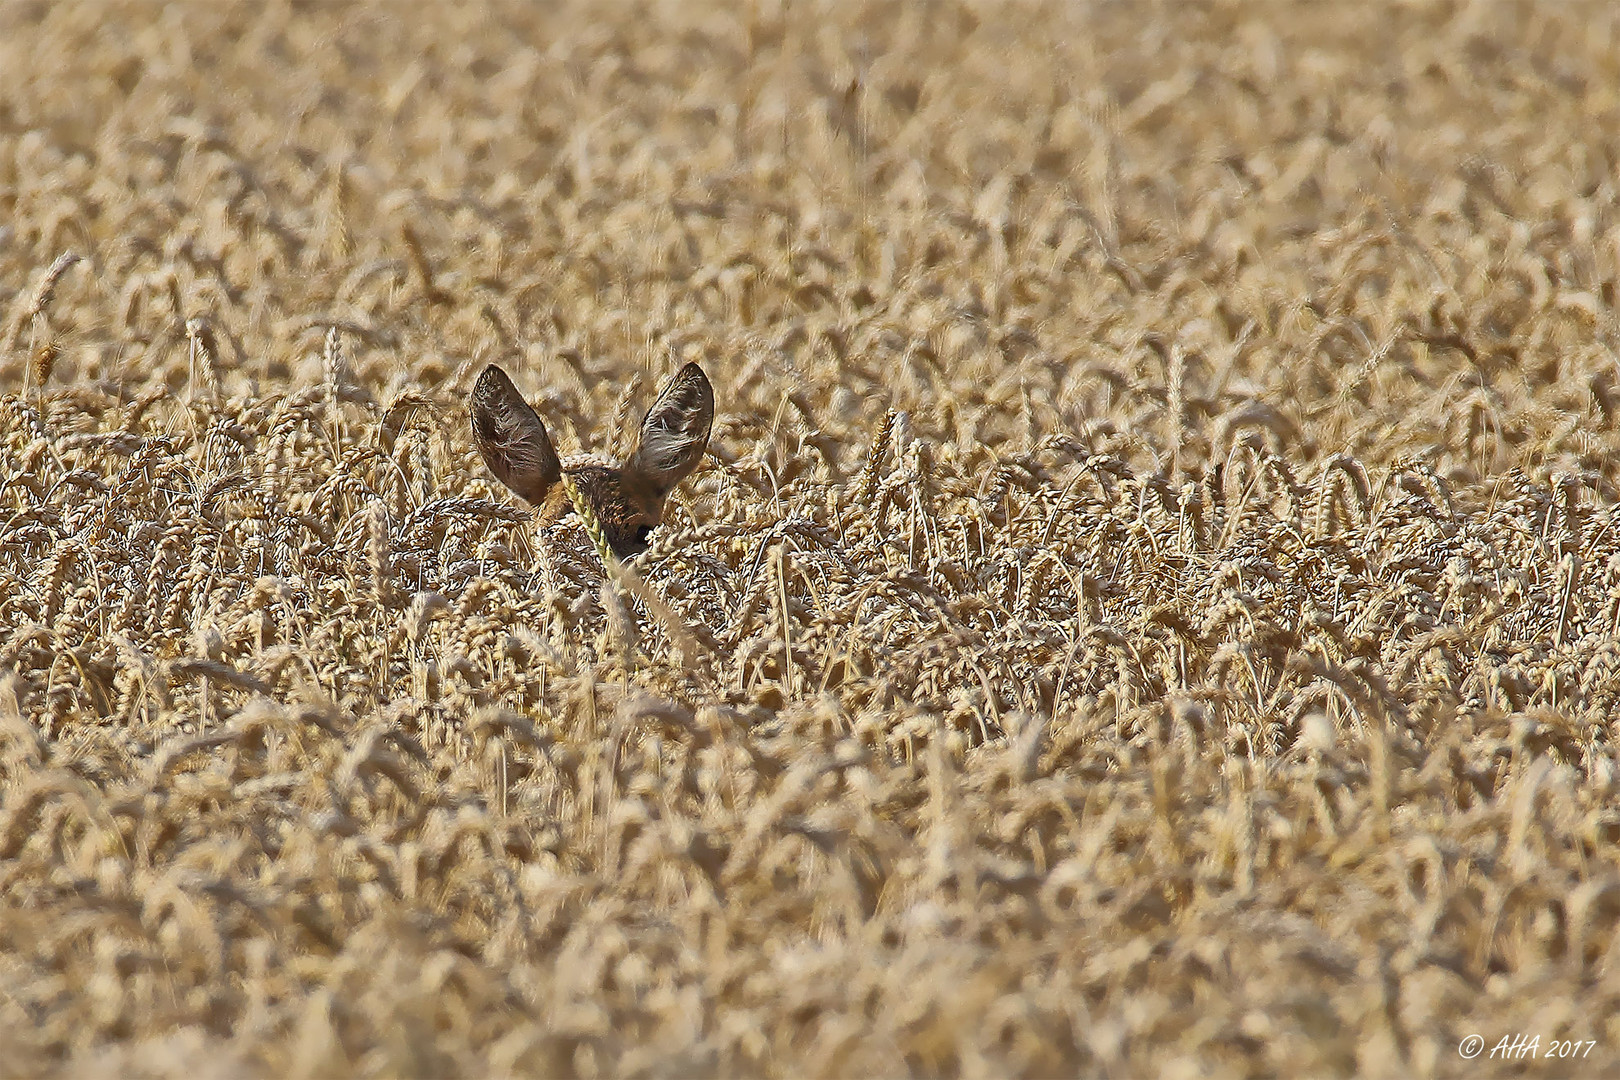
628	499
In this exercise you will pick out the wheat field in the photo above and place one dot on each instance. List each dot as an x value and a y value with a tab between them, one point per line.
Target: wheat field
1150	606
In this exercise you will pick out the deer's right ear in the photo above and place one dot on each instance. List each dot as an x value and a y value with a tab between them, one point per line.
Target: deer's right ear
511	437
675	432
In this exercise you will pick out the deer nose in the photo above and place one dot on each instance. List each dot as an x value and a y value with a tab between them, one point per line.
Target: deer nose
634	544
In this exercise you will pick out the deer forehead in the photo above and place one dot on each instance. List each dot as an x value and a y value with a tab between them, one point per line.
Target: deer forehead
602	481
589	461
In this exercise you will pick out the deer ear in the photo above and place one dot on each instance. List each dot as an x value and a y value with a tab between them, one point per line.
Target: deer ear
511	437
675	432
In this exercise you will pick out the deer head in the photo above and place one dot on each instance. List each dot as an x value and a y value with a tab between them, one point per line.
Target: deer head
627	498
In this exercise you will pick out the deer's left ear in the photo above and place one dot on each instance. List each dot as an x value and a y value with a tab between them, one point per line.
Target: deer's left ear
675	432
511	437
